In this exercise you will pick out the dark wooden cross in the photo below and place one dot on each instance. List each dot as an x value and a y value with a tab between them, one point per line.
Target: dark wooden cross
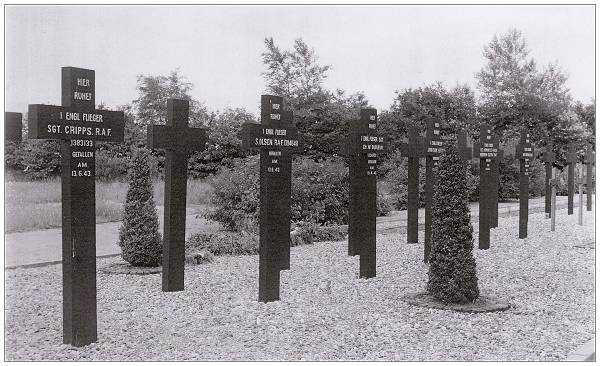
13	126
525	154
553	183
277	139
413	149
433	149
589	160
364	147
78	125
179	141
487	151
549	157
580	181
495	184
571	161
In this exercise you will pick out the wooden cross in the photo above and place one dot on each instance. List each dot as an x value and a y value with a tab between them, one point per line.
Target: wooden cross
433	149
277	139
571	161
487	151
525	154
413	149
548	158
13	126
495	188
179	140
589	160
364	147
553	182
580	181
78	125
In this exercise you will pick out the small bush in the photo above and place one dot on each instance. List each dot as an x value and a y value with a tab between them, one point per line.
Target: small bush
224	243
139	238
452	268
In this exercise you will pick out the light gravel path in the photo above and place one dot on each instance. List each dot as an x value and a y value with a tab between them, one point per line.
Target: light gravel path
326	313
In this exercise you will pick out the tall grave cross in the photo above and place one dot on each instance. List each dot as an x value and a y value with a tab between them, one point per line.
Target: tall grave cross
78	125
553	183
413	149
580	182
524	153
277	139
548	158
571	161
589	160
363	147
434	147
13	123
487	151
179	140
495	184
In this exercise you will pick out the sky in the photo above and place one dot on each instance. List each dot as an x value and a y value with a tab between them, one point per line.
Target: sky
373	49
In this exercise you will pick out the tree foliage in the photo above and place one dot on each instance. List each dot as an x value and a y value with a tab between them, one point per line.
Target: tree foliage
139	238
452	267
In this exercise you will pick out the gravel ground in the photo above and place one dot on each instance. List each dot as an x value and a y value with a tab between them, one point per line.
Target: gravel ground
326	312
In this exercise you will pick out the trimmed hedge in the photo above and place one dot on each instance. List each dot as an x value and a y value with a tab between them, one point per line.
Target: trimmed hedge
139	238
452	267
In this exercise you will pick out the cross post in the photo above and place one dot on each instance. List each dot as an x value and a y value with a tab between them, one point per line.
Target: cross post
78	125
179	141
364	145
571	161
553	182
525	154
487	151
548	158
580	182
13	126
413	149
495	181
277	139
434	148
589	160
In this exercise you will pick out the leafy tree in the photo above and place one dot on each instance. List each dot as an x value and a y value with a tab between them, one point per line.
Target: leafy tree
224	142
452	268
321	116
151	105
139	238
295	74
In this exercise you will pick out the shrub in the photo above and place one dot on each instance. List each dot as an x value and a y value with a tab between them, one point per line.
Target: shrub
452	268
223	243
139	238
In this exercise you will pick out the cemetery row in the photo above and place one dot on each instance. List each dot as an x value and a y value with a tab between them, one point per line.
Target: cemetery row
325	313
78	125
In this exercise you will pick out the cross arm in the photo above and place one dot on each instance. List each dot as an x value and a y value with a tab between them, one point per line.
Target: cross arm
181	140
64	123
271	137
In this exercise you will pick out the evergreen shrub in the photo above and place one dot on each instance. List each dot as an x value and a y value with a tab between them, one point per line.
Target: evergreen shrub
139	237
452	267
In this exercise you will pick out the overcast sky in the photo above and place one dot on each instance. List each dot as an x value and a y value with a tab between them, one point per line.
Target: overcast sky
376	50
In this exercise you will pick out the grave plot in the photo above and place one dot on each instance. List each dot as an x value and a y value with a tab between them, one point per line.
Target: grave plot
325	312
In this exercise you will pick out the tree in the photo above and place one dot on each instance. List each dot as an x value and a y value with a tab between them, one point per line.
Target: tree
151	105
295	74
321	116
224	145
139	238
452	268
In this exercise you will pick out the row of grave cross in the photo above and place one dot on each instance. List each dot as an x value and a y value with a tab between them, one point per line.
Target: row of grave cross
78	125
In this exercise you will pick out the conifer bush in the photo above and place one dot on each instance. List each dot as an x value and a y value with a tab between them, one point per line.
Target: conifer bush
139	238
452	268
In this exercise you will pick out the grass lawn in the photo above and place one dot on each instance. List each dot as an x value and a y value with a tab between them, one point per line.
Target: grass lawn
325	312
37	205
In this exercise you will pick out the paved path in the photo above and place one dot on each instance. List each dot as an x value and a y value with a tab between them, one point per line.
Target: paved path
43	246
